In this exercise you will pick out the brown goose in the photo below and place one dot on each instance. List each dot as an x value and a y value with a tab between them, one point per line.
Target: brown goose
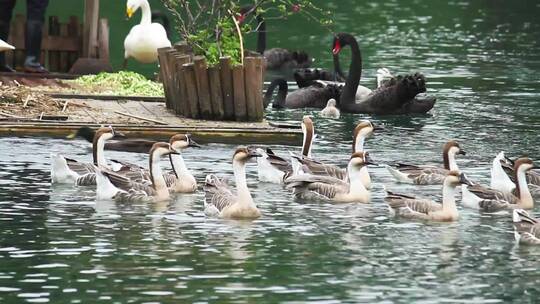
272	168
220	201
69	171
310	186
526	228
533	176
410	207
111	185
428	175
363	130
491	200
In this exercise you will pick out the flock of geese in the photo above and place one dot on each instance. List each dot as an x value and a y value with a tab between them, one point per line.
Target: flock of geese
514	183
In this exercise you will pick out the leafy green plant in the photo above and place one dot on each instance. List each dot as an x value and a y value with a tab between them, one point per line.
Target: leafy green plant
212	28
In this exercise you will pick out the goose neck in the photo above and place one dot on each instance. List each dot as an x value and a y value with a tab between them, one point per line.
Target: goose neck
355	179
98	152
359	143
156	173
522	190
449	200
307	141
178	165
146	18
449	159
244	196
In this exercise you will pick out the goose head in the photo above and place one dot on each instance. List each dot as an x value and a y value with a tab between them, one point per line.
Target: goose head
523	164
456	178
452	148
309	134
331	103
161	149
359	160
107	133
244	154
132	6
363	130
182	141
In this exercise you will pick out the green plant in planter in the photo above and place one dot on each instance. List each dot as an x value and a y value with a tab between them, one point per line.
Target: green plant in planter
212	28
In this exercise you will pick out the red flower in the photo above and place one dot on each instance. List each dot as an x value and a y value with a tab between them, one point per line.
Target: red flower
296	8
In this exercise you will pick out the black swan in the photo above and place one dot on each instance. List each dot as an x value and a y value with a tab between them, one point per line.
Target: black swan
276	58
314	96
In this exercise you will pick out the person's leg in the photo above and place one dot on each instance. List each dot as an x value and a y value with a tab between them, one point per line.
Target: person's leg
6	10
35	17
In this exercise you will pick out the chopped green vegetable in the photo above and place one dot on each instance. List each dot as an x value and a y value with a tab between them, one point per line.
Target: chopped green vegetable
122	83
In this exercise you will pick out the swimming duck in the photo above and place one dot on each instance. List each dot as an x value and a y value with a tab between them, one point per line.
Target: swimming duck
330	111
526	228
491	200
111	185
221	201
428	175
310	186
272	168
363	130
69	171
146	38
410	207
124	145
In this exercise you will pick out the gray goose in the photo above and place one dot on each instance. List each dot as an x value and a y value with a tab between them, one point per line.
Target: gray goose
221	202
428	175
526	228
69	171
411	207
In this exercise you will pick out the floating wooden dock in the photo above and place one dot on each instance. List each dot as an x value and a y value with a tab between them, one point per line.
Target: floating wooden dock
138	119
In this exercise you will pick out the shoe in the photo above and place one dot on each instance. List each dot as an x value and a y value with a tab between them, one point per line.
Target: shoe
31	65
6	69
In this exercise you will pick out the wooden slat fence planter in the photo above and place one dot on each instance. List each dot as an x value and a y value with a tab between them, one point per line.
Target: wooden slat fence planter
62	42
221	92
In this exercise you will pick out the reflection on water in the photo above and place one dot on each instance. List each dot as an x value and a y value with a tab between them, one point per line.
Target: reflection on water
481	59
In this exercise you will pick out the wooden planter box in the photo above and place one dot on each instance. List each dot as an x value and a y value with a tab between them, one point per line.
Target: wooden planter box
222	92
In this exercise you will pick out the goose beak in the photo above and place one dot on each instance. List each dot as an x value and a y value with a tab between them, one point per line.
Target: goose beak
462	152
193	144
509	160
129	12
464	180
72	135
254	153
376	128
368	160
119	135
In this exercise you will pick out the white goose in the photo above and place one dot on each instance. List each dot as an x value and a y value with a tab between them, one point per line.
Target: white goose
410	207
220	201
363	130
146	38
272	168
111	185
526	228
499	179
310	186
428	175
491	200
69	171
4	46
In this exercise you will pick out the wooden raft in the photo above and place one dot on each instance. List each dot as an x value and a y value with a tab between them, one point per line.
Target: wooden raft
221	92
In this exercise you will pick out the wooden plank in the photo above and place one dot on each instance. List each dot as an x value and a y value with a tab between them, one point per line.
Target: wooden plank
54	56
91	16
141	118
102	97
250	87
239	93
191	89
103	40
258	101
184	107
164	73
203	88
227	87
216	92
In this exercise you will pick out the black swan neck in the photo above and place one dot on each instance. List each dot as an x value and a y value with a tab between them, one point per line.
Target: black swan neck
348	96
281	96
261	34
337	69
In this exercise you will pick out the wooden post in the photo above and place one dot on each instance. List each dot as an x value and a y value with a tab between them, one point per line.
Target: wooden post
103	42
191	89
182	100
227	87
171	80
203	88
91	16
251	79
54	56
164	73
240	110
259	75
215	92
182	47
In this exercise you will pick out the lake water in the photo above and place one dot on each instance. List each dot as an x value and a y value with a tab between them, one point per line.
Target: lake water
59	244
